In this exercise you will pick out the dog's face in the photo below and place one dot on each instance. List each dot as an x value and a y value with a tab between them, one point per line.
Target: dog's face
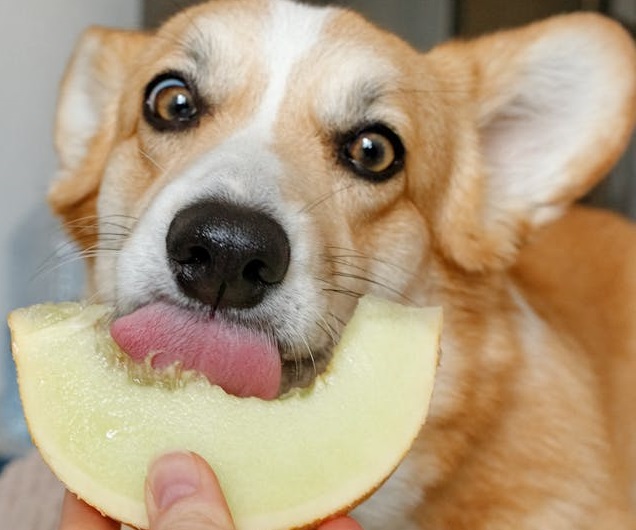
269	162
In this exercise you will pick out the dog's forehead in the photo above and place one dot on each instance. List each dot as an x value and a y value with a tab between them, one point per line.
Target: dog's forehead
329	55
270	33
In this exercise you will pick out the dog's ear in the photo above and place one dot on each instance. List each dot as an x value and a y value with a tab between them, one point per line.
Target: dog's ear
87	120
551	107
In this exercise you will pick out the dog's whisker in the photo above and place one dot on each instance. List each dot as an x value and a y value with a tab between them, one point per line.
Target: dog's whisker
126	230
297	364
115	230
340	290
94	220
334	287
64	251
67	260
311	356
337	319
58	251
327	330
330	282
83	238
418	91
88	253
70	249
325	327
377	283
323	198
375	275
349	253
96	297
358	272
152	160
352	253
114	238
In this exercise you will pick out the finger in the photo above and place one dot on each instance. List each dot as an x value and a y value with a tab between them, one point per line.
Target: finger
182	493
77	515
342	523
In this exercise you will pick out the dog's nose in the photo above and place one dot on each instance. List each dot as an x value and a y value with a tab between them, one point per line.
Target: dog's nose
226	255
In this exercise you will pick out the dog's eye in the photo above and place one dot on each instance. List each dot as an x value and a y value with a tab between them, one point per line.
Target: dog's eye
170	104
375	153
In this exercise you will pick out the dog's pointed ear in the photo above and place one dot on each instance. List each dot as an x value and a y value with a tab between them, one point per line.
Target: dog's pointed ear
87	118
551	108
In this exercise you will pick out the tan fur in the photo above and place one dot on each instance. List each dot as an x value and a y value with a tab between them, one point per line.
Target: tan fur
579	274
531	424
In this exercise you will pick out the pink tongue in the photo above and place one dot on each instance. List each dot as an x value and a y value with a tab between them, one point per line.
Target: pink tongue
242	362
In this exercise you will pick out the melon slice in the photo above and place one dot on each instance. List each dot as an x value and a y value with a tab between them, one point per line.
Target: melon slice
286	463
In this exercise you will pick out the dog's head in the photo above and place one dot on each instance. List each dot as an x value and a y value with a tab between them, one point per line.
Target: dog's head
268	162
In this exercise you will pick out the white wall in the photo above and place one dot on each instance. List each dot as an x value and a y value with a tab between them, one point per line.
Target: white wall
36	39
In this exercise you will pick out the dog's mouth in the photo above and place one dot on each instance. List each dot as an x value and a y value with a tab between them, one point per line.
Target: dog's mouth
244	362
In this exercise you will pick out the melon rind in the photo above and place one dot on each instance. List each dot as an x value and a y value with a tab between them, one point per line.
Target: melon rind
282	464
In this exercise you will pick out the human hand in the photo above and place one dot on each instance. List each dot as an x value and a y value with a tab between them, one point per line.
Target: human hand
182	493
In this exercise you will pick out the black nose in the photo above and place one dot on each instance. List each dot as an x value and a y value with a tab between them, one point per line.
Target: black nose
226	255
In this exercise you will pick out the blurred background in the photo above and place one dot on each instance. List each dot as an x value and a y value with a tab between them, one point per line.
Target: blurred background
36	263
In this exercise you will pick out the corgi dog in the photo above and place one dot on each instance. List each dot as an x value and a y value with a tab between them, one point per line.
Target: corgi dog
268	162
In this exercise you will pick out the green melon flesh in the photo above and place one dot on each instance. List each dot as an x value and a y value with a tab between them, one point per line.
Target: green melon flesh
283	464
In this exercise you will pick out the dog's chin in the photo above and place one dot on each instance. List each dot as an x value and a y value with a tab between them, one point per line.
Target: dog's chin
300	371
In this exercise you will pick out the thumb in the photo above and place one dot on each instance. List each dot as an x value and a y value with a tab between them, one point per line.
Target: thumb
182	493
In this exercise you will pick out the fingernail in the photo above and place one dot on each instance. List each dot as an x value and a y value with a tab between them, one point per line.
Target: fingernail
173	477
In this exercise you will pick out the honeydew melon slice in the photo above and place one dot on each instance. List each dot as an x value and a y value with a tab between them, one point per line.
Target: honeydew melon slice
286	463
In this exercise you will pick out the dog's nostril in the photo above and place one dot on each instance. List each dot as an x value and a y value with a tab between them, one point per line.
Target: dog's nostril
226	255
253	271
194	256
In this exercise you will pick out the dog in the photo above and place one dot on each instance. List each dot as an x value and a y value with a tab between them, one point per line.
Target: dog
268	162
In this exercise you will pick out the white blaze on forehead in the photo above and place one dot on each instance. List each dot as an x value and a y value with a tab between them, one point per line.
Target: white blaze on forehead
292	31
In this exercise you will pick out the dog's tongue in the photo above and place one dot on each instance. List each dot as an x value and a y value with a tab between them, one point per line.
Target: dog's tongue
242	362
